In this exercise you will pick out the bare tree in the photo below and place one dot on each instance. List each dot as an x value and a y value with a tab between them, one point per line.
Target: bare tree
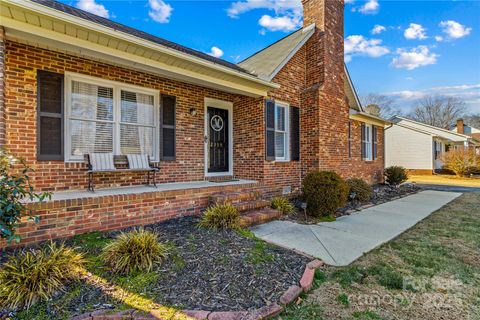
379	105
473	120
438	111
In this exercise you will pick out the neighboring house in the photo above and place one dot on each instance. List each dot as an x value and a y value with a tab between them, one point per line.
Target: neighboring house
463	128
74	83
418	146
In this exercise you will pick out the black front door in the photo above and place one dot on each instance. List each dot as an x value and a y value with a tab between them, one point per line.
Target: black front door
218	148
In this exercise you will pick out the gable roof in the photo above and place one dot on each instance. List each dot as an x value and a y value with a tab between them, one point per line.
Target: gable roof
135	32
267	62
432	130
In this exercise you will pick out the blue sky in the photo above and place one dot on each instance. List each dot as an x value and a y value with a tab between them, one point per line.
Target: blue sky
403	49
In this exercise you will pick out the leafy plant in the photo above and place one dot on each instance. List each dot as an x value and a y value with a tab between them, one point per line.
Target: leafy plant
324	192
137	250
15	190
395	175
462	162
36	275
221	216
283	205
359	189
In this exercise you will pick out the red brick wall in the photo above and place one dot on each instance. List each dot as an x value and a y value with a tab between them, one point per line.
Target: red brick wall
22	63
2	85
371	171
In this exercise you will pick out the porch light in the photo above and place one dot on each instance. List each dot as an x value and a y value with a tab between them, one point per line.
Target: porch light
193	112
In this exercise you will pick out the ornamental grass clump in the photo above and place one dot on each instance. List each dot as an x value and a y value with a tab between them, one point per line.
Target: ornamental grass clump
221	216
359	190
283	205
324	192
37	275
137	250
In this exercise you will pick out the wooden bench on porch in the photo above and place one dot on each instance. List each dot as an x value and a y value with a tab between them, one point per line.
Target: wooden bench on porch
107	162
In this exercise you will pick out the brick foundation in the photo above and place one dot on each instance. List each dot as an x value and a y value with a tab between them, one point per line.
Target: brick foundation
66	218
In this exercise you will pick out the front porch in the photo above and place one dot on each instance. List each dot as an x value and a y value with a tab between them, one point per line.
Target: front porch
69	213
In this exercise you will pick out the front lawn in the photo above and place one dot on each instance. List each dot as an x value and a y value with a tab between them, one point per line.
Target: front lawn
204	270
430	272
444	179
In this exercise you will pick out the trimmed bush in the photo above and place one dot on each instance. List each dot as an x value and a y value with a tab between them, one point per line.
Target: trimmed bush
283	205
37	275
221	216
359	190
324	193
137	250
395	175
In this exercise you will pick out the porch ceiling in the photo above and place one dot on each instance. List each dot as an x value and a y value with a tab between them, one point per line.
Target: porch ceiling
32	23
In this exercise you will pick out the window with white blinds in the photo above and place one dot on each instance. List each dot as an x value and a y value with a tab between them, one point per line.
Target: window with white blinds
108	117
281	131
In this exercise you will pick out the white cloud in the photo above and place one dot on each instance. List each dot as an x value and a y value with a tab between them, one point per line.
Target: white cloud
415	31
371	7
278	23
279	6
378	29
349	1
357	45
216	52
93	7
159	11
438	38
415	58
469	93
288	13
455	30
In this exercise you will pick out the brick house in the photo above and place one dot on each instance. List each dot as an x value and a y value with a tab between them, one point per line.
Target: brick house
72	83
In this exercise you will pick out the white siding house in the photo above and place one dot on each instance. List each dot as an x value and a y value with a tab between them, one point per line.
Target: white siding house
417	146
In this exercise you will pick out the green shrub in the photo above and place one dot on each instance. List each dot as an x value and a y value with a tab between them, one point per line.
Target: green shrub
137	250
395	175
15	189
36	275
324	193
359	190
283	205
221	216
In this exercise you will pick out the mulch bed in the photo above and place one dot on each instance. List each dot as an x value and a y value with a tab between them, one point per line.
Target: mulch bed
381	193
206	270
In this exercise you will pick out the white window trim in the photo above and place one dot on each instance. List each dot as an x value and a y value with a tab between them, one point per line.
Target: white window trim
286	158
117	87
368	156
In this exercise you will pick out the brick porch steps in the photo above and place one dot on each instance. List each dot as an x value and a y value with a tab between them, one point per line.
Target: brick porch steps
251	205
253	208
253	217
234	197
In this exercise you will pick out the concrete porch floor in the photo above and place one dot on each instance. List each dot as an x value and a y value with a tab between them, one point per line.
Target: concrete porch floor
341	242
161	187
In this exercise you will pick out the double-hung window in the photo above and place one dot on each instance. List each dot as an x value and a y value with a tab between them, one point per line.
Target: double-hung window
108	117
367	142
281	132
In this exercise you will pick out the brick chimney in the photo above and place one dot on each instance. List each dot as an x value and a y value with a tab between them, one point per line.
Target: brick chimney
460	126
324	107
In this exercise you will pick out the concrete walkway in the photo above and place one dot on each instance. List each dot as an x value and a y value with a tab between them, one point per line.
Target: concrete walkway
341	242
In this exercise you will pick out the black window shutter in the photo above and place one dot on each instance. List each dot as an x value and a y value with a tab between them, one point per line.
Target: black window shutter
364	146
294	133
270	130
50	134
167	128
375	141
